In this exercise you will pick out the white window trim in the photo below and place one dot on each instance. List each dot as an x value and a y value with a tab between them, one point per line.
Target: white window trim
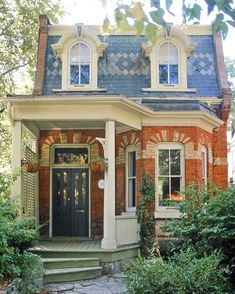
128	150
69	64
204	150
62	50
167	211
184	47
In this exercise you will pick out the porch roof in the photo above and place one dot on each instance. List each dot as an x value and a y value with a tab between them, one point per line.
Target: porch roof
93	111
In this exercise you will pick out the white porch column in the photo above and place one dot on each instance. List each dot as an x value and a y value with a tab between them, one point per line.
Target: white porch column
16	157
109	238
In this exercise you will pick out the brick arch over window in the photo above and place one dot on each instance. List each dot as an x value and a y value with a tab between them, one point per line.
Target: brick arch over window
130	139
169	136
64	138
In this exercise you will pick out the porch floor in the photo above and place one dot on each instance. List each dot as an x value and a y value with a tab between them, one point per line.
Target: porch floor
58	245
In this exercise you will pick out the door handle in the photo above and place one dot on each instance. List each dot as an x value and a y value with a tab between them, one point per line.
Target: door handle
80	210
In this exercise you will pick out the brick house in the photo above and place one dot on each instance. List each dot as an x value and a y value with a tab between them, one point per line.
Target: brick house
161	109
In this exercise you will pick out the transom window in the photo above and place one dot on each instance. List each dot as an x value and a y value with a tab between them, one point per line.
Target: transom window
130	180
170	171
168	64
80	64
70	156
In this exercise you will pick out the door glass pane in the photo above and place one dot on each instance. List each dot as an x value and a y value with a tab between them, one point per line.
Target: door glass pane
175	162
58	188
163	162
84	186
71	156
76	189
163	188
65	188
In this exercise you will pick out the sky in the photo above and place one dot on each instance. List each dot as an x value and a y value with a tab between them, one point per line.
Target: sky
93	13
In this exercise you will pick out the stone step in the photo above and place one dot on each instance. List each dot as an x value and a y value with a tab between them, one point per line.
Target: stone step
70	274
60	263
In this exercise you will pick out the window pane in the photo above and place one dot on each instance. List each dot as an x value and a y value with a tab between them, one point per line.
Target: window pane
71	155
173	54
131	164
163	54
84	53
74	54
163	74
173	74
203	165
85	74
175	162
131	193
163	190
74	74
163	162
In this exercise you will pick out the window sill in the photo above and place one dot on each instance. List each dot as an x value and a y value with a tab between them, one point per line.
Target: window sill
127	215
80	89
167	212
169	89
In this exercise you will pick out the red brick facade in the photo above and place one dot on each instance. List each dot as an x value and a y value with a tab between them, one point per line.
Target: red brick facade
145	142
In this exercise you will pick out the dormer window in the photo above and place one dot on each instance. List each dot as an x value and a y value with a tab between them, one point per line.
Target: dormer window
79	54
80	65
168	61
168	68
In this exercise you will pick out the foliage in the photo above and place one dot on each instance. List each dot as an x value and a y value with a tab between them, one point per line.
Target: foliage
147	23
207	222
16	236
181	274
19	35
230	69
145	219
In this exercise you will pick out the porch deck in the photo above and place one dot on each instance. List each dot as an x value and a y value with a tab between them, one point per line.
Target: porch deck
83	248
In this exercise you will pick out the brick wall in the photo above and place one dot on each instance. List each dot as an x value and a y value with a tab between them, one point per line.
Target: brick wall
145	143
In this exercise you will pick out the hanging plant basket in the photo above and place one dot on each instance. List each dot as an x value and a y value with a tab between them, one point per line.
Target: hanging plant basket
98	164
31	167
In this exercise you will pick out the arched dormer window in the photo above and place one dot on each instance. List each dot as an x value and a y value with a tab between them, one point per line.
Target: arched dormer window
79	56
168	61
80	64
168	64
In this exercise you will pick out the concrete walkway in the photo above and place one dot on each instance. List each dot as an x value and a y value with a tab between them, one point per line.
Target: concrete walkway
111	284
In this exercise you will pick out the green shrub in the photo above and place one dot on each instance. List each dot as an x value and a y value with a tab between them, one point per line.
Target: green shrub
207	222
16	236
181	274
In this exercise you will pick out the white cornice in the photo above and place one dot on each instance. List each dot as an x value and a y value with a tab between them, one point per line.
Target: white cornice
124	110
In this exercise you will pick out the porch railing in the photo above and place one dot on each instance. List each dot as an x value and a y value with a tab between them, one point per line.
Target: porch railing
126	229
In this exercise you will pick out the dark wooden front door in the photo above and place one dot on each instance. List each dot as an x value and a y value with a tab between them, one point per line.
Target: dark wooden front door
70	202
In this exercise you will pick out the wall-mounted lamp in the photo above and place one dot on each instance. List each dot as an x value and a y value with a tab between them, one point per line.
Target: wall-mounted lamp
79	27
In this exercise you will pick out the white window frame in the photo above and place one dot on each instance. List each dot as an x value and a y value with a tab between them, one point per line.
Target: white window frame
169	211
167	42
62	50
204	159
184	47
69	67
129	150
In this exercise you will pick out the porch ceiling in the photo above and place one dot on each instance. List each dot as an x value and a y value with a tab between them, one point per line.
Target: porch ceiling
44	125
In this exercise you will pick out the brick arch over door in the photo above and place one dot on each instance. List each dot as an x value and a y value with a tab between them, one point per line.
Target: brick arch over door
66	137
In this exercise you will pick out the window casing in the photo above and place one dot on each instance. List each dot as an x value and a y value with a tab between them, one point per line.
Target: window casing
79	65
130	180
170	174
204	166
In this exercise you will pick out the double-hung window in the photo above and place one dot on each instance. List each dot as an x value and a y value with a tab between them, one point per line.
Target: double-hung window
130	180
168	69
80	65
170	173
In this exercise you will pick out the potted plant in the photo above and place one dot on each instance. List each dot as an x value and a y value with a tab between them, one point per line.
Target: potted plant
31	167
98	164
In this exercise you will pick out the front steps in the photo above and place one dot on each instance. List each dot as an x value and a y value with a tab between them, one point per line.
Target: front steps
70	269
